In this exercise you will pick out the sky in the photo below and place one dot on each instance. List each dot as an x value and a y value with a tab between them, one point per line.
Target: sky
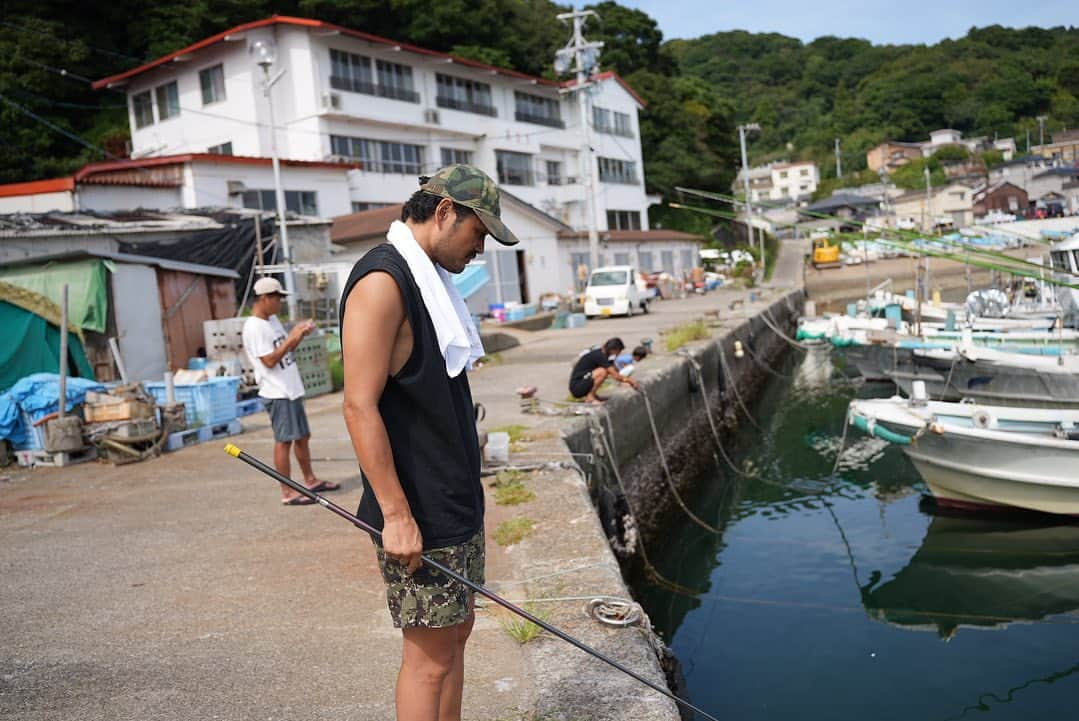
880	21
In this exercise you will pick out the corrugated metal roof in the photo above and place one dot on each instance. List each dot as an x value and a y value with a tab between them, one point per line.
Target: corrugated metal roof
128	258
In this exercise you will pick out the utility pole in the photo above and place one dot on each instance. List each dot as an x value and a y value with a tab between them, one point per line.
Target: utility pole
932	223
1041	132
264	57
742	130
582	57
838	161
1028	141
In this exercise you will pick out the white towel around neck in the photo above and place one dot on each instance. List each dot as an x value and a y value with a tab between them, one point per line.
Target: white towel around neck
458	338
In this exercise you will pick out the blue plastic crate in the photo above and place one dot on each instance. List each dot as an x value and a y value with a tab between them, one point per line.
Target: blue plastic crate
205	404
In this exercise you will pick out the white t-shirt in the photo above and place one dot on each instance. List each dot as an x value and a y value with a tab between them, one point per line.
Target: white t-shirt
262	337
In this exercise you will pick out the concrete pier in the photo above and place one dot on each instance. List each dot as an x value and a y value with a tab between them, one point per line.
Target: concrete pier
181	589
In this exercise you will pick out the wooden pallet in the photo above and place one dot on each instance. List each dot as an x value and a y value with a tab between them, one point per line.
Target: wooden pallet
37	457
246	408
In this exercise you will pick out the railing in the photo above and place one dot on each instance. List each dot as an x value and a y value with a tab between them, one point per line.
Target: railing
547	120
368	88
352	85
516	177
465	105
395	93
611	130
619	178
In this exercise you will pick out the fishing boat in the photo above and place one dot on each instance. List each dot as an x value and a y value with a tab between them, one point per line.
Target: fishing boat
981	573
975	456
990	375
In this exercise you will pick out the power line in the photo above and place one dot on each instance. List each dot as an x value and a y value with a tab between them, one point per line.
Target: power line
25	29
57	128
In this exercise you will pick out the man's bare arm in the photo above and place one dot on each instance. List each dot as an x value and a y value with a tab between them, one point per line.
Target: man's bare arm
297	334
374	312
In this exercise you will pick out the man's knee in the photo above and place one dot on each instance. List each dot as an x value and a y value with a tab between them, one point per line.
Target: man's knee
600	374
429	654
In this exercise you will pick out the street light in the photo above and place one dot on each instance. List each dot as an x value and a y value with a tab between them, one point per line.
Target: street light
264	55
742	130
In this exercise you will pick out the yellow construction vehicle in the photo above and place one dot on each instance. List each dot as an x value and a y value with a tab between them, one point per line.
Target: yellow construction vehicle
825	255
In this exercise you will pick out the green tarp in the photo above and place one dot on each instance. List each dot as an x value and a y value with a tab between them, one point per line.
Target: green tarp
32	345
87	292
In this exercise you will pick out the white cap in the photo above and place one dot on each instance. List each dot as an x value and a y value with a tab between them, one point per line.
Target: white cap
265	286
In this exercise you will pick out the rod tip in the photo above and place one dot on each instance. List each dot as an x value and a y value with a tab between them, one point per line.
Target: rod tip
232	450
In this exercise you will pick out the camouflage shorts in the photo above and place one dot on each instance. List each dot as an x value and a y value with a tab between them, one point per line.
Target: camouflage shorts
427	598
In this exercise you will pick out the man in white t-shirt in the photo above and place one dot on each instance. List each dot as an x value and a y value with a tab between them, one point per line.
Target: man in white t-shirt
269	348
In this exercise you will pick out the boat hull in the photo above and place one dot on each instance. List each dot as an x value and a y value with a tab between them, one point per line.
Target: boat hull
968	473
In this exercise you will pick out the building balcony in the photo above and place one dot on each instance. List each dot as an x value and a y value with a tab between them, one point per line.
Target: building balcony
466	105
368	88
539	120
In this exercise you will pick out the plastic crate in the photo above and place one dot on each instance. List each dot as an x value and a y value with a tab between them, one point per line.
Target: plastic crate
208	403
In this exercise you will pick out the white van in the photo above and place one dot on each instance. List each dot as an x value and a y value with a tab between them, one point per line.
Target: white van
612	290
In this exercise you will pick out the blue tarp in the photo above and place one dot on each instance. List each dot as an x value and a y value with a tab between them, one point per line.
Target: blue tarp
37	396
470	280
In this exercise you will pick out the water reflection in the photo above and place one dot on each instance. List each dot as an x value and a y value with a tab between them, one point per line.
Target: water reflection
981	573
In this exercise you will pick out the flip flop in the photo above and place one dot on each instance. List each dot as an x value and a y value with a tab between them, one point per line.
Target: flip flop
326	486
298	501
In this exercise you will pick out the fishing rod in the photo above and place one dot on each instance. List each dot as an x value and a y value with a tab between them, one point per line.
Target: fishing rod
255	463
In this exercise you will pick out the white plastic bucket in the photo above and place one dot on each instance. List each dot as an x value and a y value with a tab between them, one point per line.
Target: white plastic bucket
497	449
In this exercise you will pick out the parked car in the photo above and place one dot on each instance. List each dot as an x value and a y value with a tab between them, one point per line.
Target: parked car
612	290
906	224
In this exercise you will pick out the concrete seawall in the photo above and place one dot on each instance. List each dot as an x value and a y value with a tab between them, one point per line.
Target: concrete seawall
679	418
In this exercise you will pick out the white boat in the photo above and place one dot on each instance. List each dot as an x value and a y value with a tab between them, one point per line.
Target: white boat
983	457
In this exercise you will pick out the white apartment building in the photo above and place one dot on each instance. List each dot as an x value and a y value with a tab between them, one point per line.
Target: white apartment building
395	110
780	181
358	118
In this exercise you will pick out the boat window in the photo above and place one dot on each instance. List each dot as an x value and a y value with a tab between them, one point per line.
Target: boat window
1059	259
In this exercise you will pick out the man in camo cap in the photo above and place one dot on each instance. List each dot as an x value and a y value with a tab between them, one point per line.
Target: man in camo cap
409	411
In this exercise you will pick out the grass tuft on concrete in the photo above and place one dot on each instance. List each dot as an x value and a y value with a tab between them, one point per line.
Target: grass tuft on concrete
521	630
513	531
686	333
510	489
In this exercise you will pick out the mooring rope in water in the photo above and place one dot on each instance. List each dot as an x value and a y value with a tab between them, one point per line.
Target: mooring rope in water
711	423
734	387
667	470
652	572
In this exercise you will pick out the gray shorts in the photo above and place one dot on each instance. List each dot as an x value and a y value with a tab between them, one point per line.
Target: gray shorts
288	419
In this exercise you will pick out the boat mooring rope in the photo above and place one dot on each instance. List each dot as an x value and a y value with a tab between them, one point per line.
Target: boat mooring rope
771	323
734	387
667	471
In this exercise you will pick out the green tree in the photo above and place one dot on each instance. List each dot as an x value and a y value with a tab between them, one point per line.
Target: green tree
631	38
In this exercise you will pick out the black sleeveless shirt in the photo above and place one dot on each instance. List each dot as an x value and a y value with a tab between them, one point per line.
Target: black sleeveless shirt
430	421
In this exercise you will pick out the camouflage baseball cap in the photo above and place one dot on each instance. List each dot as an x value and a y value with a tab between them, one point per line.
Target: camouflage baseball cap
472	188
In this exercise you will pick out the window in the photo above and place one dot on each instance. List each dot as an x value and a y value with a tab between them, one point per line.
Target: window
612	170
168	100
611	122
395	81
538	110
143	108
351	72
222	149
623	220
687	260
646	260
359	207
554	172
467	95
667	260
212	81
454	156
782	174
804	172
619	259
380	156
301	202
514	168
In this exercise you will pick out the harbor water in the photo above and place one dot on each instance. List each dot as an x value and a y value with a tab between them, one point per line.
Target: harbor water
846	596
